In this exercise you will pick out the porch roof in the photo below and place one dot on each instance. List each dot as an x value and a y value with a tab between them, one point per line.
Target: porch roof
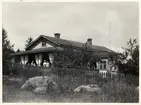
40	50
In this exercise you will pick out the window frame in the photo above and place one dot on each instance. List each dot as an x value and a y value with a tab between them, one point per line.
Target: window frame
44	44
103	64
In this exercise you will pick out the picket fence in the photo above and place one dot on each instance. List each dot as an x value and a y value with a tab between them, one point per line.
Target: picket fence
105	73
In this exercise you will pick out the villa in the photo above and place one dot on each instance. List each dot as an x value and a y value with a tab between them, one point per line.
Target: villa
40	52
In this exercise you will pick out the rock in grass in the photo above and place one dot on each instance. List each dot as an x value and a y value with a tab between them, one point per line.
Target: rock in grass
39	81
87	88
40	90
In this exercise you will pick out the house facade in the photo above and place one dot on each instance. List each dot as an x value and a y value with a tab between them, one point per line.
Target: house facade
41	52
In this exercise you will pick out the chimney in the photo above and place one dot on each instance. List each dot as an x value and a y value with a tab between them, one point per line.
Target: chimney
89	42
57	35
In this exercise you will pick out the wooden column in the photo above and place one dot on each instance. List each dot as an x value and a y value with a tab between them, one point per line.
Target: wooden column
51	58
37	59
22	59
26	59
40	59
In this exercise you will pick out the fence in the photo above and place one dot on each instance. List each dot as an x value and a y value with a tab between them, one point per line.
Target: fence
30	71
105	73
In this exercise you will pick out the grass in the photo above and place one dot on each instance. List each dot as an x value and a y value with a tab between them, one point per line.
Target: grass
118	89
13	93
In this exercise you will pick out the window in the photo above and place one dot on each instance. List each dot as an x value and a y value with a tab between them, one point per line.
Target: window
43	44
103	65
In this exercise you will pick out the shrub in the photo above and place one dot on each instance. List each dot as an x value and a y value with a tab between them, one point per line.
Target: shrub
30	71
72	57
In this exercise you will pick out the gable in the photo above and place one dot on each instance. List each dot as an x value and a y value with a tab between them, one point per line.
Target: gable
40	42
41	45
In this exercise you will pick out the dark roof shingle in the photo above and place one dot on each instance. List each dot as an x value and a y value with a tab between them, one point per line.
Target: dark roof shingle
77	44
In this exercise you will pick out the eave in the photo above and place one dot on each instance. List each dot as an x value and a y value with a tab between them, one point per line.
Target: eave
41	50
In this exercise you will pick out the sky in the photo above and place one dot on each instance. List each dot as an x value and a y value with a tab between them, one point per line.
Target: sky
109	24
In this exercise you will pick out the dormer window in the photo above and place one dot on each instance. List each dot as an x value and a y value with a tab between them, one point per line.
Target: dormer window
43	44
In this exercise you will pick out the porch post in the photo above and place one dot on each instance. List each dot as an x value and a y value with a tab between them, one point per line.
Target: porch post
22	59
97	64
51	58
40	59
26	59
107	65
37	59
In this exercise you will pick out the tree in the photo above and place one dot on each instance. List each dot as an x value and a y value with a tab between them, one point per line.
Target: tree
135	60
28	41
130	58
128	52
18	50
7	49
72	57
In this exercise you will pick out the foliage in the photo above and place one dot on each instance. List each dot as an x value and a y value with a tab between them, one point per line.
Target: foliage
129	59
28	71
7	50
72	57
18	50
28	41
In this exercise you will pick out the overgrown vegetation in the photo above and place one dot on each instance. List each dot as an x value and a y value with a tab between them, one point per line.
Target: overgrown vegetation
129	59
118	89
72	57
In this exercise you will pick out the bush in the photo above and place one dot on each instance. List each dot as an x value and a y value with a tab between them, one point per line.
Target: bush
72	57
30	71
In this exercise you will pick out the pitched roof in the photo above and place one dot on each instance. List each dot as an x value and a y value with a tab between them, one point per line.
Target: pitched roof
62	42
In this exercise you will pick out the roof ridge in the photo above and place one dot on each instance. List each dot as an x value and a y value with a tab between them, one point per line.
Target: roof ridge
64	39
61	41
74	41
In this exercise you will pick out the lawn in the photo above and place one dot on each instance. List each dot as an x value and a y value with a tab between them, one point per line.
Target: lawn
114	90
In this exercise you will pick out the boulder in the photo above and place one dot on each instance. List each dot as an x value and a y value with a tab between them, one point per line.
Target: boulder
39	81
40	90
87	88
